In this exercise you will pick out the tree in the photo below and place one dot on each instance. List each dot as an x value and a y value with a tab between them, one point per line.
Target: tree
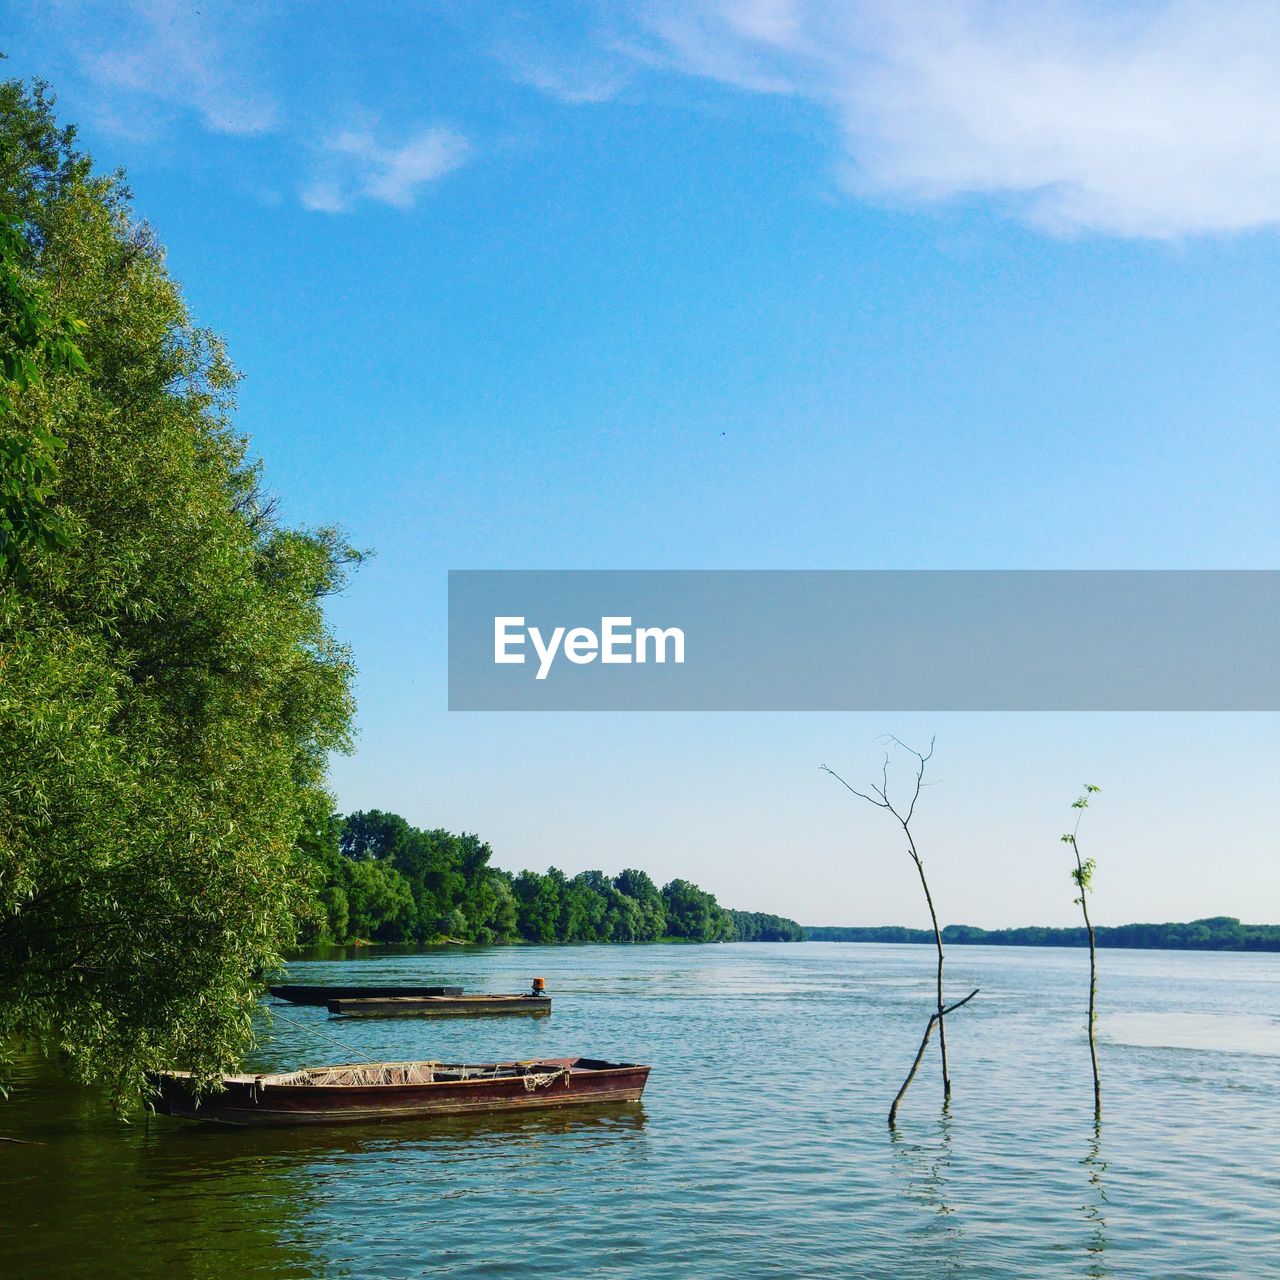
648	922
362	866
495	920
694	914
1082	877
759	926
169	689
584	909
879	796
324	917
31	341
379	902
538	901
374	835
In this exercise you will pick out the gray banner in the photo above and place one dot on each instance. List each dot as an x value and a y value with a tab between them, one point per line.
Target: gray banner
864	640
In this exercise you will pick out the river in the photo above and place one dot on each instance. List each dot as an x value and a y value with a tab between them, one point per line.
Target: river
760	1150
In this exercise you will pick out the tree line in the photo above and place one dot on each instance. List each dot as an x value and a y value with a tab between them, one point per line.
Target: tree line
1215	933
379	879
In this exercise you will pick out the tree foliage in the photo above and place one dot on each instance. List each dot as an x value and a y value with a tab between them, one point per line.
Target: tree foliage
169	691
31	342
380	879
1216	933
760	926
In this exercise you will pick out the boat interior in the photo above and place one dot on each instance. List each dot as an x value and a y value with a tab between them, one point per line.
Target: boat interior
401	1073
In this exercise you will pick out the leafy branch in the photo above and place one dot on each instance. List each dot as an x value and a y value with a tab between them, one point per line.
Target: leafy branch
32	340
1082	877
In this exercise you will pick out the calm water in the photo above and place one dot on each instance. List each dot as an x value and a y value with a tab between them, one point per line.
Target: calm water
760	1149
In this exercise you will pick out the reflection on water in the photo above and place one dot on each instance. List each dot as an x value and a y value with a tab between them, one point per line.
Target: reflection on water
1095	1205
761	1149
923	1162
93	1197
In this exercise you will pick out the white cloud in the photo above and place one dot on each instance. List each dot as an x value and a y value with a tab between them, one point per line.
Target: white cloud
573	85
355	166
193	59
566	55
1158	119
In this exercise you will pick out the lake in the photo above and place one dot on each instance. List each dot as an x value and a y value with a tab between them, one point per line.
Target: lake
760	1150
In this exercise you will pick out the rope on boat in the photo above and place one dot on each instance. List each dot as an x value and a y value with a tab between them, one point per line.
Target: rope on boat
320	1035
536	1079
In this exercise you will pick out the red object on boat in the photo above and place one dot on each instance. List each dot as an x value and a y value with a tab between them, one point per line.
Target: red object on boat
379	1091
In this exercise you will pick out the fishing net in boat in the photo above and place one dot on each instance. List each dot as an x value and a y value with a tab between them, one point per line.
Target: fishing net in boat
392	1073
536	1079
365	1073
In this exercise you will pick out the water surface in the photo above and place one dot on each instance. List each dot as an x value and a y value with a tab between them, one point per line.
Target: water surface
760	1149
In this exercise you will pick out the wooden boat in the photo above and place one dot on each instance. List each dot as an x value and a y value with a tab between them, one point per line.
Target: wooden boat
439	1006
364	1092
299	994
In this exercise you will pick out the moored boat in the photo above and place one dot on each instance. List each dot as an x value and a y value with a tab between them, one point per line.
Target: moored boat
297	993
381	1091
440	1006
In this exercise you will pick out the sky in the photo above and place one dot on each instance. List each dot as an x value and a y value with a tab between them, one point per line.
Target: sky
748	284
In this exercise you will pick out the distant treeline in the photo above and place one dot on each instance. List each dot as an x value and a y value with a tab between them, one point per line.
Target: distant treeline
1217	933
379	879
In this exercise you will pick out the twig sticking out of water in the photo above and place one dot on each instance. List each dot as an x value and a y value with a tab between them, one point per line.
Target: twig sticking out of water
879	796
924	1042
1082	874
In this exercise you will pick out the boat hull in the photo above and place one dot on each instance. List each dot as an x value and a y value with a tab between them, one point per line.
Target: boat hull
439	1006
297	993
254	1101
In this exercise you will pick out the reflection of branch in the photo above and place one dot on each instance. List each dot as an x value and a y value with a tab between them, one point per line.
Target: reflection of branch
924	1044
1093	1212
927	1165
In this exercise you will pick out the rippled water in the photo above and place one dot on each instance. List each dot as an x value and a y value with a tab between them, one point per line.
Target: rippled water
760	1149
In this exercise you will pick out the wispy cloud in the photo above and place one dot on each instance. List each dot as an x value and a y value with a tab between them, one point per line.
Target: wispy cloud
575	85
355	166
1154	119
188	58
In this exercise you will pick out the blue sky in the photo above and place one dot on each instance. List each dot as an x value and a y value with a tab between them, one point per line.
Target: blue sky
741	285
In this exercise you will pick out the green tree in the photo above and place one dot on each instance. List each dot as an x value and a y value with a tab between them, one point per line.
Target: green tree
694	914
324	917
584	908
494	908
360	863
626	919
374	836
31	342
538	900
379	902
758	926
649	922
335	920
169	690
